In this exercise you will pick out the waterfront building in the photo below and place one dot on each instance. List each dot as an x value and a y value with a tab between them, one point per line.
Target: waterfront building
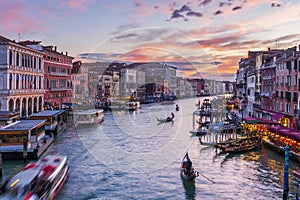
22	78
287	88
58	83
80	82
268	84
57	75
160	78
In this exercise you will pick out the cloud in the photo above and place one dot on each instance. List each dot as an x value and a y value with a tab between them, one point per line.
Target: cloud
176	14
16	17
236	8
184	8
218	12
194	14
80	5
125	36
205	2
275	5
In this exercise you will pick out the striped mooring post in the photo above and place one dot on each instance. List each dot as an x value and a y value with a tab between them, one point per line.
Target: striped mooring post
286	174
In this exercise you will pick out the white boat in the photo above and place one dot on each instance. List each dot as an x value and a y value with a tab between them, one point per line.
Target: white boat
132	105
88	117
199	131
40	180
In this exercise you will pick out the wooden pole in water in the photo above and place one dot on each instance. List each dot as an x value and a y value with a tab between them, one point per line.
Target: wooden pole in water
0	159
286	174
25	150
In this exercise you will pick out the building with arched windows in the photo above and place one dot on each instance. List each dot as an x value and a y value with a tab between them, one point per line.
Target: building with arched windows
21	78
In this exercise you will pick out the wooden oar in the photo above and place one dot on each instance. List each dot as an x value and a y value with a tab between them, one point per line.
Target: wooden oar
205	177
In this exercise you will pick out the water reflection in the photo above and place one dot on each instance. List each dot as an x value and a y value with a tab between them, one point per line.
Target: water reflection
190	188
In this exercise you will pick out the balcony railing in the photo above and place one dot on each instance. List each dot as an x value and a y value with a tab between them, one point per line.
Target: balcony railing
58	74
23	91
60	89
256	106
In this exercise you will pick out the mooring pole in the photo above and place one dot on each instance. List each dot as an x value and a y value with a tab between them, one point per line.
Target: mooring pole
286	174
25	150
0	159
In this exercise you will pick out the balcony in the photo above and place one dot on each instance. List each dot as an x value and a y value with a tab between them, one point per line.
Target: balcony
59	89
266	77
256	106
23	91
266	94
58	74
296	112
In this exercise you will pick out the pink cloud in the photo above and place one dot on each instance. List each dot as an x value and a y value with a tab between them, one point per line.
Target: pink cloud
15	17
80	5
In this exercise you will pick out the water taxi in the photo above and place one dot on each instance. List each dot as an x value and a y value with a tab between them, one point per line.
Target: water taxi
24	139
40	180
132	105
88	117
55	120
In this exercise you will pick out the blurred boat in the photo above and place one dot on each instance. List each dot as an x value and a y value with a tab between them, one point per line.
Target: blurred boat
37	181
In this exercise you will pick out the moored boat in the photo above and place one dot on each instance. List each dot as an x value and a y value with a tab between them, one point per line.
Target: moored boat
132	105
37	181
246	145
187	171
199	132
88	117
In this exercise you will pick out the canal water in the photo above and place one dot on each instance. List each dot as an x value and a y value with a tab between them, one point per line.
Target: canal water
130	155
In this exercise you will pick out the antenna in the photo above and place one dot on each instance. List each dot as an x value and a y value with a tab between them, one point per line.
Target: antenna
19	36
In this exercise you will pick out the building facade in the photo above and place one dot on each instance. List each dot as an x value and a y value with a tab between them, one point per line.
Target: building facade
22	78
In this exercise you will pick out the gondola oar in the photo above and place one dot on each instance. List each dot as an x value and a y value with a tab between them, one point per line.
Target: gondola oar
205	177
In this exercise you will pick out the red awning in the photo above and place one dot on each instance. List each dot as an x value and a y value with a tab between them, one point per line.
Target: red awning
285	132
277	116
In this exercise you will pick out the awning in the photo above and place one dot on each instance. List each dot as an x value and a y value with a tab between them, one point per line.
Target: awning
251	120
285	132
277	116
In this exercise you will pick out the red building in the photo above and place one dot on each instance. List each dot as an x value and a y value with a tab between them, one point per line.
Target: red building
57	77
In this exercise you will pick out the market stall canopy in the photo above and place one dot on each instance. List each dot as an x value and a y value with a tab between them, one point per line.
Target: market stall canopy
285	132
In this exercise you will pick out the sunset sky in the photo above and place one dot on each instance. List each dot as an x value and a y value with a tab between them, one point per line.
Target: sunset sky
202	37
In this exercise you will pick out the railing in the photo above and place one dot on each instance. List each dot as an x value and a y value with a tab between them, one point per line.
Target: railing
24	91
58	74
256	106
60	89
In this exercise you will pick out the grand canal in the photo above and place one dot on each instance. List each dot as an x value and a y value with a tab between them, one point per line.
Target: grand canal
131	156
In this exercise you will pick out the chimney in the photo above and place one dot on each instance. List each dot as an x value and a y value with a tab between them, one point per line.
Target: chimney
55	48
269	49
66	53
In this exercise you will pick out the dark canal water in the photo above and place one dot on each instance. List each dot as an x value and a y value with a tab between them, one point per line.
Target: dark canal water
131	156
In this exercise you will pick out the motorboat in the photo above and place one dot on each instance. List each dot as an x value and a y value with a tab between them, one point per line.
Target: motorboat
187	171
88	117
199	131
37	181
132	105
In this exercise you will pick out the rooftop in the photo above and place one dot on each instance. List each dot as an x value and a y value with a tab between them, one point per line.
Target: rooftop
22	125
48	113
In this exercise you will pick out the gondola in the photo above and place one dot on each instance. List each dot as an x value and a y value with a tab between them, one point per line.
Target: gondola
187	171
164	120
242	147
